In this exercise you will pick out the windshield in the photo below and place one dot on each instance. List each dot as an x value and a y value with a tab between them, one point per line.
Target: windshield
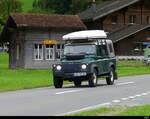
80	49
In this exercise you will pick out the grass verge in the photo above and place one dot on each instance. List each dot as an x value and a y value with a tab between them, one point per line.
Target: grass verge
11	80
117	111
21	79
99	112
136	111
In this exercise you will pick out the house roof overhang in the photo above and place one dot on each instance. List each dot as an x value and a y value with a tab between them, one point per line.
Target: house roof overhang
126	31
19	21
104	9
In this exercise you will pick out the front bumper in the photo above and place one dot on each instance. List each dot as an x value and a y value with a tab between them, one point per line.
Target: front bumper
71	70
70	75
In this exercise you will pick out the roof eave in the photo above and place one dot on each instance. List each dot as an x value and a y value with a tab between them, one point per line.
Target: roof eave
123	6
115	41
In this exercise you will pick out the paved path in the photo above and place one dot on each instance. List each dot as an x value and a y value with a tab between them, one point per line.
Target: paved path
127	91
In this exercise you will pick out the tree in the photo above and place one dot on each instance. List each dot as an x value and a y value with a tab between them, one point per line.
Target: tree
63	6
40	11
59	6
81	5
6	7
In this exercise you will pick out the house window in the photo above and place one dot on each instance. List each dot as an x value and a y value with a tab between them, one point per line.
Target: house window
59	51
114	19
132	19
148	19
49	52
38	52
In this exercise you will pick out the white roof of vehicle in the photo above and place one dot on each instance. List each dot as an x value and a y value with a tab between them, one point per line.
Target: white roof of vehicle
87	34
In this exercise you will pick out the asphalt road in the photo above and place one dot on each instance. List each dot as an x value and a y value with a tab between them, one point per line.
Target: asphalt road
127	91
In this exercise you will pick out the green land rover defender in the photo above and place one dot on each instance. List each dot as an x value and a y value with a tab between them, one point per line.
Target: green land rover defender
87	56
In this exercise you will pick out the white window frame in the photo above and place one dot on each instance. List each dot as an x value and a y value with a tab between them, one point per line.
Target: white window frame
132	19
49	52
38	50
114	19
59	50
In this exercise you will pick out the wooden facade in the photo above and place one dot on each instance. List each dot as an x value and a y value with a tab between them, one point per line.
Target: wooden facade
137	13
27	49
132	45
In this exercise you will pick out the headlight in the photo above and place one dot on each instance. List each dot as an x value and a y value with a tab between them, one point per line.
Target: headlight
84	66
58	67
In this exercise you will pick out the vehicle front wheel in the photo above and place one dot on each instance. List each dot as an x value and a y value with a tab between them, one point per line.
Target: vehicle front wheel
58	83
77	83
110	79
93	79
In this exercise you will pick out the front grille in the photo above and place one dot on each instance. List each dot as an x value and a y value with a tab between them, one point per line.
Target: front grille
75	57
71	68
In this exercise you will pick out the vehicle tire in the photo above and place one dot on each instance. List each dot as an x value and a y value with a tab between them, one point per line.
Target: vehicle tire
58	83
93	79
77	83
110	79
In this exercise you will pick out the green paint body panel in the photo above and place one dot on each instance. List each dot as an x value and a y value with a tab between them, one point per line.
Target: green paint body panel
102	64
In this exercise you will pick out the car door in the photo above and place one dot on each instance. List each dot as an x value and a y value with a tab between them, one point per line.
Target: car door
105	58
101	59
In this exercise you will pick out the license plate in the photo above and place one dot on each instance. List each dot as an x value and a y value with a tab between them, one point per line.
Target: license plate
80	74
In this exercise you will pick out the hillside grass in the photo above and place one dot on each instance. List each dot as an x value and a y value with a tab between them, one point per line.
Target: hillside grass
26	5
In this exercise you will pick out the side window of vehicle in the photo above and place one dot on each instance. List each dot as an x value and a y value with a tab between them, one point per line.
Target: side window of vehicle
110	48
98	50
102	50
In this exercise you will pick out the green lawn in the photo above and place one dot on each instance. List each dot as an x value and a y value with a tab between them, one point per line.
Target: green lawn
24	79
130	63
132	71
98	112
136	111
117	111
27	5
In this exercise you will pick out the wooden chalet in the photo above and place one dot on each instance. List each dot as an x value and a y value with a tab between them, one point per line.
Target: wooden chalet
126	21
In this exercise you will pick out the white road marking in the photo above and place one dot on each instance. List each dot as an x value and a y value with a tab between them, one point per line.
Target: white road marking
116	101
138	95
132	97
85	109
100	105
124	98
144	94
125	83
71	91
